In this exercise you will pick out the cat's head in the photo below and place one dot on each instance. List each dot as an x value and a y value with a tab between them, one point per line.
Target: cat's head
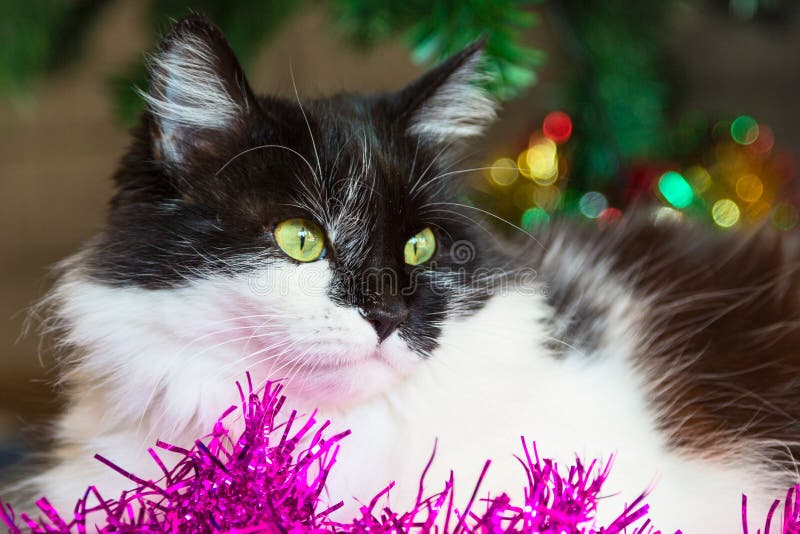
314	238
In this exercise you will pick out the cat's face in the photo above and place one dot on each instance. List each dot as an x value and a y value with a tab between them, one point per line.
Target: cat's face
314	239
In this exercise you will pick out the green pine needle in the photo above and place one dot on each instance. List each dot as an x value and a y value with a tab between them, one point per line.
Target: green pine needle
436	29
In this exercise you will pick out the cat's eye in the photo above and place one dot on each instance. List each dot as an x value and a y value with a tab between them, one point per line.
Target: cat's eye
420	248
300	239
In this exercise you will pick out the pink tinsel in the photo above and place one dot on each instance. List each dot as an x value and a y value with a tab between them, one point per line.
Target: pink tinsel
265	482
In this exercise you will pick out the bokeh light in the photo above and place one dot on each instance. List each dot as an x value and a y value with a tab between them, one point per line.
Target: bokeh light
725	212
675	189
765	141
557	126
749	187
540	162
699	178
504	172
757	211
547	197
721	130
533	218
744	130
731	183
609	215
784	216
592	204
667	215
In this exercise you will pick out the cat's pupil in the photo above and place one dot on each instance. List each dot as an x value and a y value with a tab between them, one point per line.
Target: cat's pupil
302	235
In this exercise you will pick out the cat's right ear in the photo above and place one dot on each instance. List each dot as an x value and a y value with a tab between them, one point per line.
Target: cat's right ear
198	96
448	105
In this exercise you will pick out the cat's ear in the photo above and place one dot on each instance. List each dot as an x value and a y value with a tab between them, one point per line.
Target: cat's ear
448	104
198	95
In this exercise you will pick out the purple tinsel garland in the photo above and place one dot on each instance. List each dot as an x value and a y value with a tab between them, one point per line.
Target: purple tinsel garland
262	482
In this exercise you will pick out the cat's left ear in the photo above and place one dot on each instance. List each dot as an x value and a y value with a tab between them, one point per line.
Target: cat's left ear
448	104
198	97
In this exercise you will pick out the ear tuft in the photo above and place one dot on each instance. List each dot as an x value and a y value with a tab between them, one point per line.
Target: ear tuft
450	102
195	83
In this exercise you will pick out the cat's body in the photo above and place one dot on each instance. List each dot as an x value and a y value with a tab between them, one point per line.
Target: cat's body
675	350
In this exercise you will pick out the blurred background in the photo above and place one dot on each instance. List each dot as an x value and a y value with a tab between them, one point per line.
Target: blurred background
687	107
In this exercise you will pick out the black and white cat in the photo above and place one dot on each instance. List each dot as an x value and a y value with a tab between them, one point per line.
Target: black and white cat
321	242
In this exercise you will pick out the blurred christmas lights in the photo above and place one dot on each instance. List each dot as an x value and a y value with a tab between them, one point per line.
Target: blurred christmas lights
738	178
534	217
540	162
725	212
784	216
557	126
699	177
504	172
749	187
592	204
675	189
744	130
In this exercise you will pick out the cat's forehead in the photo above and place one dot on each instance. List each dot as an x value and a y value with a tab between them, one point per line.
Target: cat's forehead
357	180
342	146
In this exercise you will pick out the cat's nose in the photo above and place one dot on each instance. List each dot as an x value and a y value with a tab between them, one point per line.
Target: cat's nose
385	318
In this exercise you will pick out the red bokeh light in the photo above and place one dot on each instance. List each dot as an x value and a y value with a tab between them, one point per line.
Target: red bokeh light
557	126
765	141
609	216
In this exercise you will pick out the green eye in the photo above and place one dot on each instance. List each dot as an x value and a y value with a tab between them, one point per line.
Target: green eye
420	248
300	239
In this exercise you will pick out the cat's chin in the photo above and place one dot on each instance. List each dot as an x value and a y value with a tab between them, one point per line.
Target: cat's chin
330	380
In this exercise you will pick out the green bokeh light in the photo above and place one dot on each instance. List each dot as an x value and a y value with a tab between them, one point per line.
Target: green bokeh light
533	218
784	216
744	130
675	189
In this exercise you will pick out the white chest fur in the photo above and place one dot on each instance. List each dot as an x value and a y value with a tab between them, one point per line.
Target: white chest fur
491	381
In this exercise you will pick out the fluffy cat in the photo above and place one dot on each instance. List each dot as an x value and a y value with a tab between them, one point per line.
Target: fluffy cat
321	242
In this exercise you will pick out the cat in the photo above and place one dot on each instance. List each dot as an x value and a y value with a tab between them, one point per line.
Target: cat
324	242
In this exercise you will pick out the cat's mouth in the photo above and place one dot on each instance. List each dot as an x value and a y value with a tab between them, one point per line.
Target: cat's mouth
317	357
340	373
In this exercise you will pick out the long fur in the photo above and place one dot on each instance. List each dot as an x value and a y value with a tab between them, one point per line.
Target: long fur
669	346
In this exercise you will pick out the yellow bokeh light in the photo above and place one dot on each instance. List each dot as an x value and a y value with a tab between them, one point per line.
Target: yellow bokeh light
504	172
749	187
725	212
547	197
540	162
758	210
699	177
522	164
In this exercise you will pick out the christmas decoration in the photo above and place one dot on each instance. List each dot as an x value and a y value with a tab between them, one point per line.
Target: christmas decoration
742	178
270	479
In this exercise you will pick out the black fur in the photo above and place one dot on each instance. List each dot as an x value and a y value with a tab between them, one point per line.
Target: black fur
213	209
719	331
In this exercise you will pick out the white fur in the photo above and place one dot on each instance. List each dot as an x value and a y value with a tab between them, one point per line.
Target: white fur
491	380
459	109
187	91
